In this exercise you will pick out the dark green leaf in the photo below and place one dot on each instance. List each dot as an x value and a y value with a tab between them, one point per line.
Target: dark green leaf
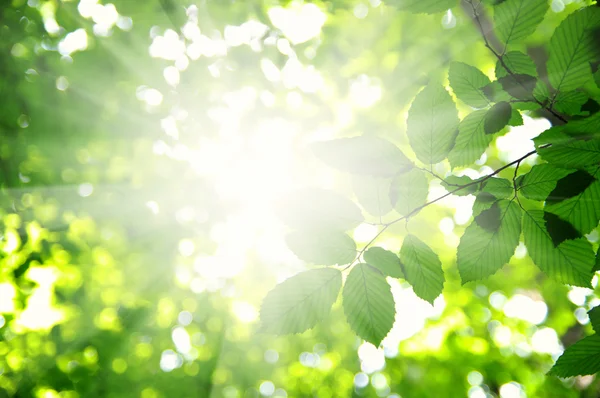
466	82
559	230
570	102
582	358
497	117
570	263
312	208
452	182
368	303
541	180
298	303
489	219
471	141
423	268
567	151
572	185
322	247
583	208
364	154
594	315
520	86
482	252
385	261
518	63
514	20
409	191
572	48
432	123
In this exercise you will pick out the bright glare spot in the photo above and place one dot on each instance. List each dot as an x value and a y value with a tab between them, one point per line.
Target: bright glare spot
365	232
578	295
372	358
72	42
150	96
271	356
557	5
169	46
85	189
525	308
502	335
299	23
546	341
365	91
521	251
511	390
181	339
170	360
62	83
379	381
519	140
309	359
582	316
361	380
497	300
475	378
361	10
185	318
477	392
171	75
267	388
7	297
245	311
448	20
446	225
186	247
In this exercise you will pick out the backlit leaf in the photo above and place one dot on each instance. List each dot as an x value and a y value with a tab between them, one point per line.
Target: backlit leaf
516	19
582	358
368	303
471	141
497	117
409	191
466	82
298	303
423	268
385	261
322	247
541	180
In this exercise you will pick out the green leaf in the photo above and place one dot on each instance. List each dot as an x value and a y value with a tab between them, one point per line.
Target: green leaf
597	78
373	194
322	247
363	154
385	261
368	303
559	229
567	151
489	219
515	118
471	141
571	49
582	358
452	182
423	268
514	20
594	315
570	102
298	303
497	117
570	186
482	252
581	209
310	208
409	191
424	6
500	188
540	181
597	263
432	123
570	263
518	63
519	86
466	82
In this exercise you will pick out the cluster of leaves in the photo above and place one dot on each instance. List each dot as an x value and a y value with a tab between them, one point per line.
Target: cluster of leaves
553	206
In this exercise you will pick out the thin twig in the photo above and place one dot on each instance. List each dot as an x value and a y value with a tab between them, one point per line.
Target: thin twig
505	66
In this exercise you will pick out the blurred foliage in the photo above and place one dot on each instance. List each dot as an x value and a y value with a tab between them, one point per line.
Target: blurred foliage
122	273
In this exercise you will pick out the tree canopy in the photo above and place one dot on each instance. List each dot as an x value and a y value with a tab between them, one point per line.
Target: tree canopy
370	198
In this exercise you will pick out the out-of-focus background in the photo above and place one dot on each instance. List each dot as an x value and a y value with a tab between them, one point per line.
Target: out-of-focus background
142	146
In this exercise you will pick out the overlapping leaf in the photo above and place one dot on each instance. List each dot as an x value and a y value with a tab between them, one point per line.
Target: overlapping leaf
409	191
432	123
466	82
571	49
365	154
368	303
582	358
582	209
541	180
570	263
298	303
514	20
423	268
322	247
497	117
483	250
385	261
517	62
373	194
471	141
